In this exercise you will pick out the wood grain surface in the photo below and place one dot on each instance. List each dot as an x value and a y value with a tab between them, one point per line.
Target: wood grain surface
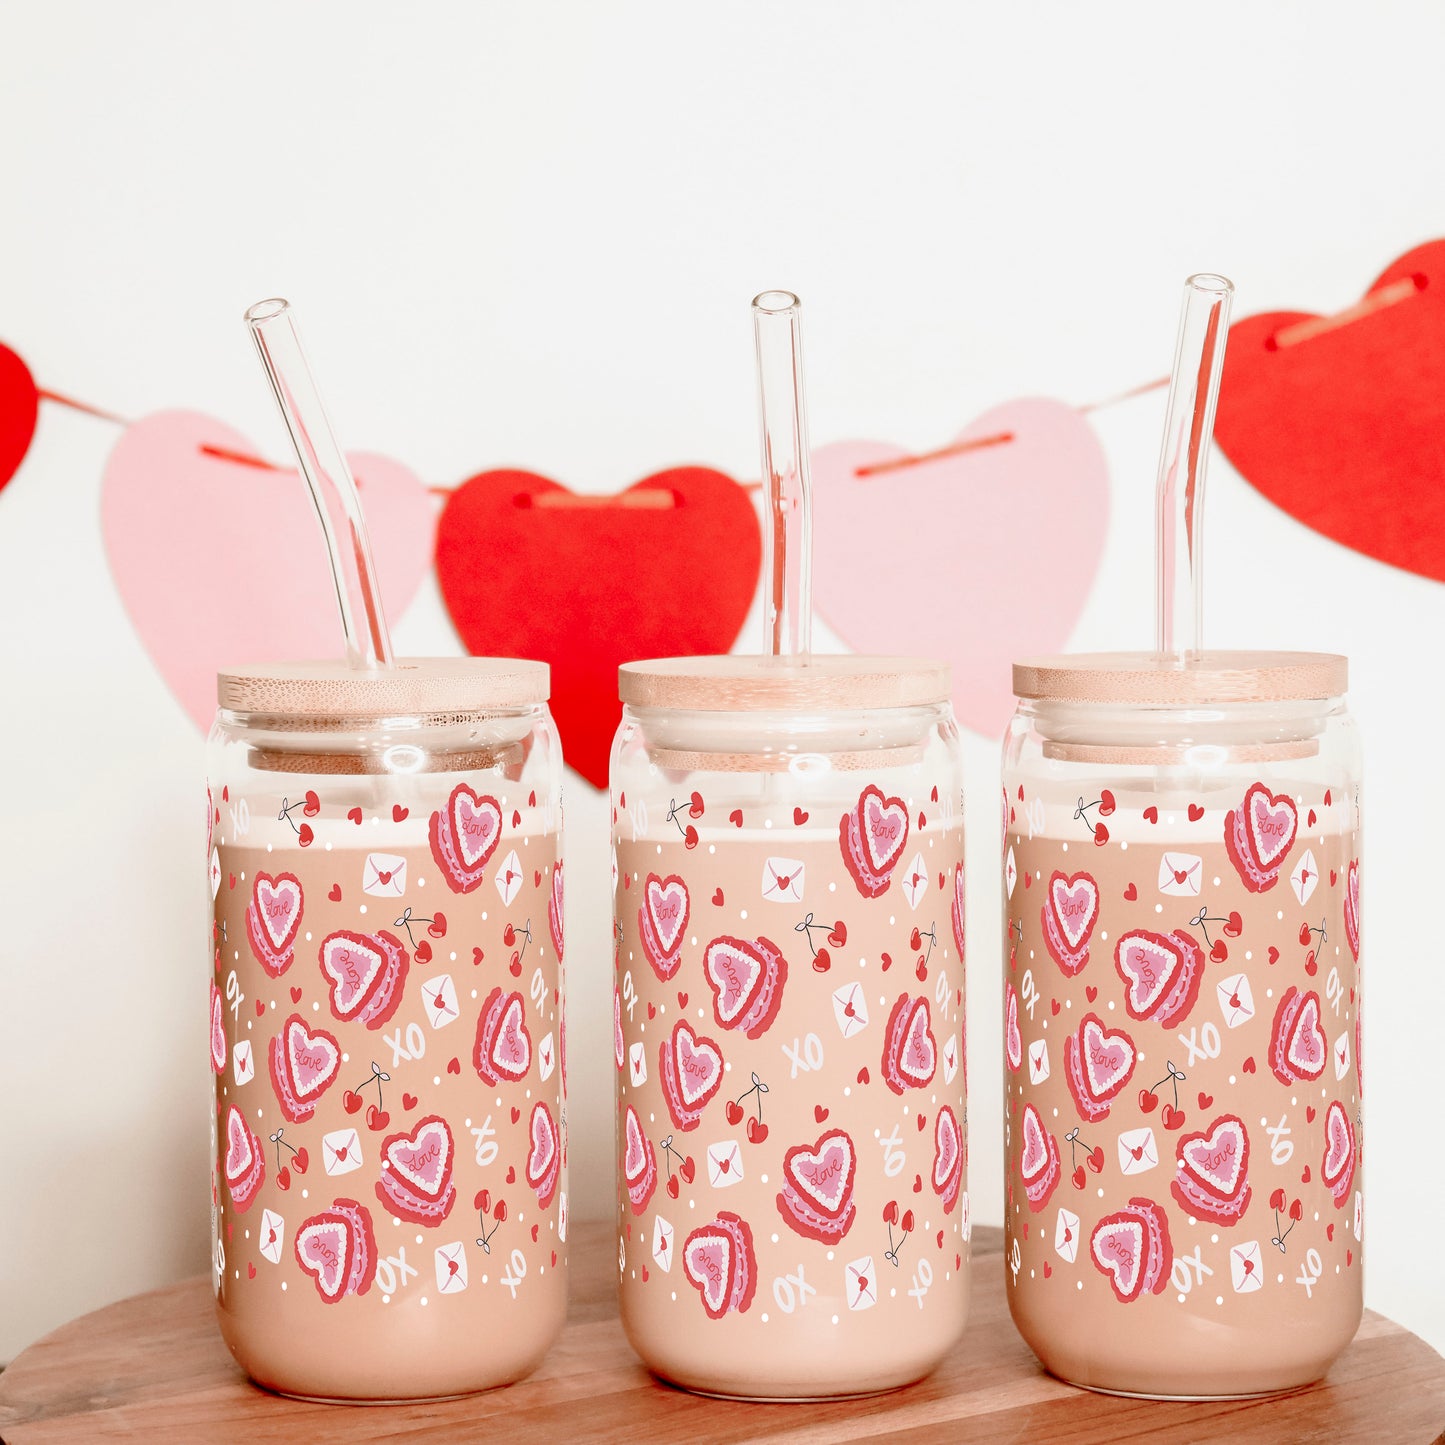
153	1368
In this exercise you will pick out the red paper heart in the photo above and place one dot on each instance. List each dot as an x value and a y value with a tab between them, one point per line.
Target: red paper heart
19	408
1328	425
596	582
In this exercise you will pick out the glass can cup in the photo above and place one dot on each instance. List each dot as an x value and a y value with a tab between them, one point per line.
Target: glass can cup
1181	859
389	1121
793	1215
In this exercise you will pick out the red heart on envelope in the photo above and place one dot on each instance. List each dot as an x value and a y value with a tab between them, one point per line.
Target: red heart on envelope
19	408
1343	425
978	557
220	561
529	569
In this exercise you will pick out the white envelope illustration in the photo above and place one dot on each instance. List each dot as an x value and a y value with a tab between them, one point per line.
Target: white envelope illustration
215	873
546	1058
509	877
1305	876
783	880
384	875
1246	1268
1342	1055
273	1236
662	1243
915	880
562	1215
244	1062
950	1058
1039	1061
850	1009
1236	1001
1066	1236
637	1059
439	998
1010	873
724	1164
1137	1154
1179	874
341	1151
861	1283
451	1261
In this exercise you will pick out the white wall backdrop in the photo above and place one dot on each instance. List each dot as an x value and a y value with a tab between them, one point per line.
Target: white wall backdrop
528	235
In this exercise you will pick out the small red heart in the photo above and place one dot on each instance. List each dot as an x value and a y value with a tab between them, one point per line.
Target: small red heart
534	1233
1309	1113
734	1112
645	1275
398	813
304	836
1090	992
1305	1177
311	805
511	1175
1276	1200
1048	1270
1130	893
940	1239
351	1102
1205	1100
409	1101
355	816
423	952
757	1131
250	1271
1195	812
516	818
1151	814
717	897
1332	877
499	1210
454	1066
516	1114
477	956
1101	835
1028	879
1273	954
652	1011
233	880
1248	1065
1106	803
295	994
335	894
682	1000
1310	820
863	1076
1349	1257
626	881
260	1008
917	1187
887	962
536	878
1330	1232
822	961
800	817
922	1122
736	817
554	1266
819	1113
1055	1005
695	808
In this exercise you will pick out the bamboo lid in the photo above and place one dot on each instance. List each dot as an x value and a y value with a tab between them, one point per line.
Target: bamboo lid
415	685
1147	679
767	684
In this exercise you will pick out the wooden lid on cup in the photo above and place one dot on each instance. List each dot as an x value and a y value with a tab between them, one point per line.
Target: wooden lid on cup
1147	679
769	684
426	686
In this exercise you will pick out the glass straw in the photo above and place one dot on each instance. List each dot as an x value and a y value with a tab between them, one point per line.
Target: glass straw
788	524
333	491
1188	429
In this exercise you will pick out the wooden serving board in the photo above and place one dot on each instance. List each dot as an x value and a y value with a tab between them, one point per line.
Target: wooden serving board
153	1367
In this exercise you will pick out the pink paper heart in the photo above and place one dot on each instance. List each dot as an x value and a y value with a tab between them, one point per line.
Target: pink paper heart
221	563
980	558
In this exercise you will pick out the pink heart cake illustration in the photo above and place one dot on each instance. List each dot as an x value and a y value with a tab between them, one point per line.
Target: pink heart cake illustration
273	919
910	1055
816	1199
1098	1063
956	910
366	973
337	1248
1338	1168
245	1163
639	1162
1162	973
555	917
1352	908
1297	1045
544	1158
416	1172
691	1067
719	1262
1071	908
947	1157
872	837
218	1031
1132	1248
662	921
1013	1043
746	979
1039	1160
464	835
1212	1171
304	1064
1258	835
503	1050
